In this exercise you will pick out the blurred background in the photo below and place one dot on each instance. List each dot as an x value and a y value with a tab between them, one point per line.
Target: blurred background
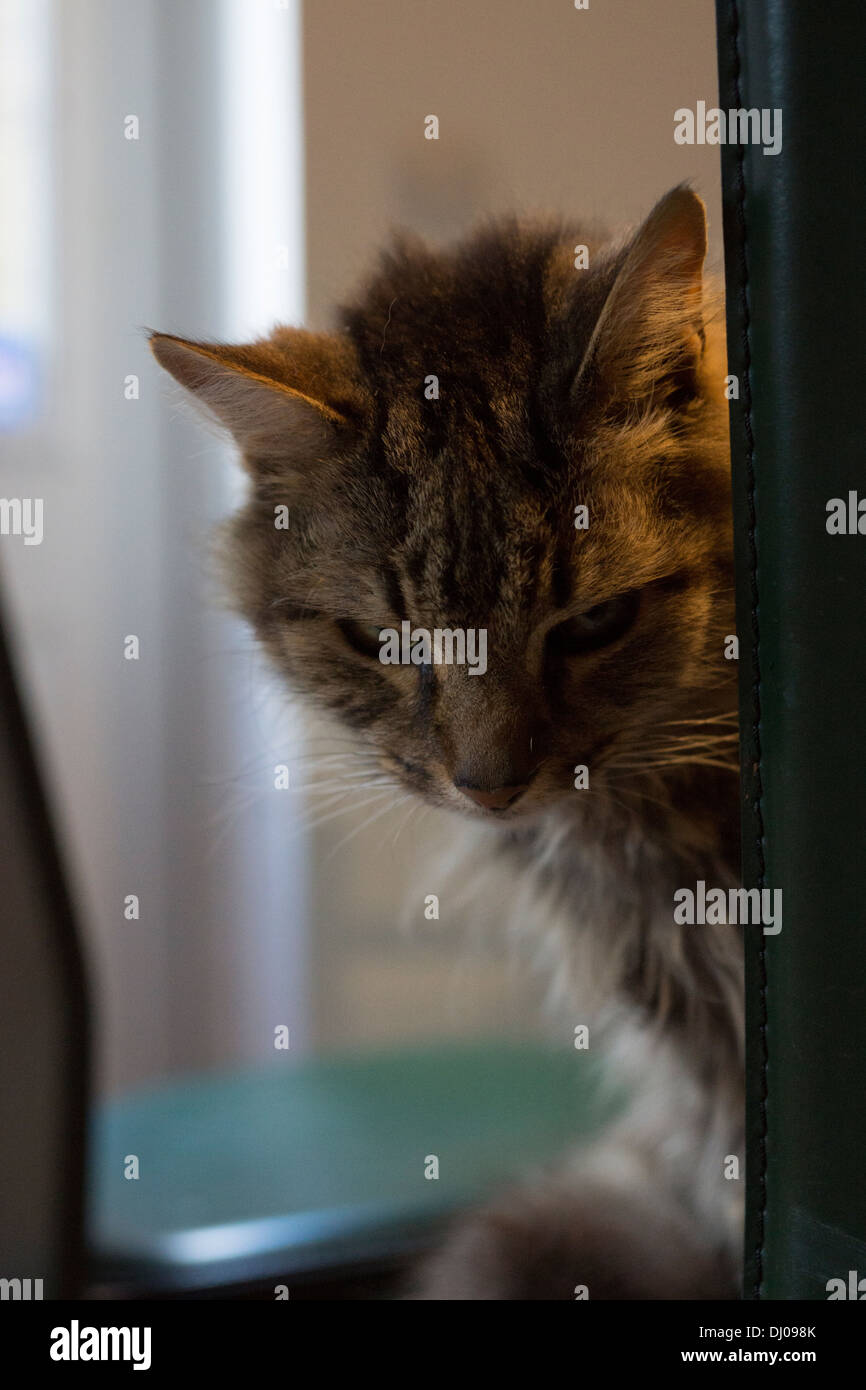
209	168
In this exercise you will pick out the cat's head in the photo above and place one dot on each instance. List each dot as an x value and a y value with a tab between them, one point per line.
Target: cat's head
502	442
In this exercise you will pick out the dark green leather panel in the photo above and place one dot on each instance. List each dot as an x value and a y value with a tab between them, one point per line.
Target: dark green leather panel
794	233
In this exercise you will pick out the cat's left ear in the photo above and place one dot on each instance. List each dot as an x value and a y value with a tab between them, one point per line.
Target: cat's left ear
649	338
289	400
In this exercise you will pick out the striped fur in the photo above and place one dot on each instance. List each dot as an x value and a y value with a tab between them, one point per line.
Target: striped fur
557	387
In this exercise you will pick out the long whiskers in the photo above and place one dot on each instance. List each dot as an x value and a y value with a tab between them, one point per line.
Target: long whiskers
703	743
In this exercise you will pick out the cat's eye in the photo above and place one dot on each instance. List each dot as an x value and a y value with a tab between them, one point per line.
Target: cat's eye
363	637
597	626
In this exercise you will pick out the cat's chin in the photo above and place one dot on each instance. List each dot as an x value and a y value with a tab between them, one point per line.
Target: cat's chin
512	817
528	809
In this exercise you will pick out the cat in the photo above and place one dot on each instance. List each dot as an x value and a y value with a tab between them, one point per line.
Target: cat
516	436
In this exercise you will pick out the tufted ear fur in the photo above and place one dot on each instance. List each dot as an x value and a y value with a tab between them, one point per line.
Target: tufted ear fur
648	340
291	398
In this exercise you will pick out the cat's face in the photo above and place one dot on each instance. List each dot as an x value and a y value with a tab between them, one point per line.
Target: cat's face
523	457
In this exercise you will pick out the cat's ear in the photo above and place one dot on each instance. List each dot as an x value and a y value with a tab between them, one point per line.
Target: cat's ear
288	399
648	340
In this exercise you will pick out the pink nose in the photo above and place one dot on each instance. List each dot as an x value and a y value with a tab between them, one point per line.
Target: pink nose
497	799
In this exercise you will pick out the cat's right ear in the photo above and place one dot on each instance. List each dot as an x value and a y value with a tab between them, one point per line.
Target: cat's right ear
288	401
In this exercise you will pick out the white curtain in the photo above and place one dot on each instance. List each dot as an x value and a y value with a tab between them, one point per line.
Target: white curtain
161	768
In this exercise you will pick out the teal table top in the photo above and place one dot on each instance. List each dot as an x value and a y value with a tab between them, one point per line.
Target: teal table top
303	1165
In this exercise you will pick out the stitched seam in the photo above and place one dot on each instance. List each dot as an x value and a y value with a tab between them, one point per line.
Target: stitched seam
758	789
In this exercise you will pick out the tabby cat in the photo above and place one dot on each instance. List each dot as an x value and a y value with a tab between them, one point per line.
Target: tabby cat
500	436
